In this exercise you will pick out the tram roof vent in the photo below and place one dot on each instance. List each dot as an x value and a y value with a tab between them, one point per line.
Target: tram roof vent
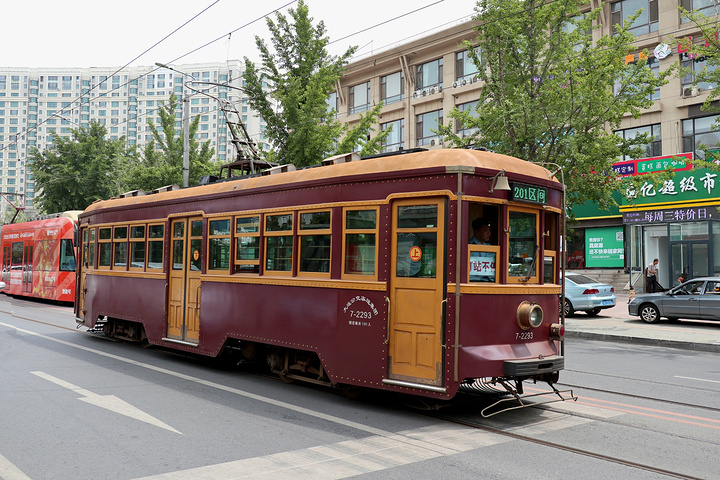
166	188
342	158
133	193
279	169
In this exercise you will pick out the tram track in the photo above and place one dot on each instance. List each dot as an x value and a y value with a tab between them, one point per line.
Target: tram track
566	448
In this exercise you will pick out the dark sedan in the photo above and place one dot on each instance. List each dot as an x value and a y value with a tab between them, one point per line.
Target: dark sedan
697	299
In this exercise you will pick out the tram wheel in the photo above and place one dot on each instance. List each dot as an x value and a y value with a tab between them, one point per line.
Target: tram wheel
649	313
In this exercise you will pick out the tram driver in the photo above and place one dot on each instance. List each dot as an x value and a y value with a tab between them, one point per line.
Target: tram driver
482	264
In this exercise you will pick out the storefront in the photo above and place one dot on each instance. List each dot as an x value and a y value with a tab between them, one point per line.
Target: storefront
677	222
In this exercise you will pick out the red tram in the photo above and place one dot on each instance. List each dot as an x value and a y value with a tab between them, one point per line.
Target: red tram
38	257
357	273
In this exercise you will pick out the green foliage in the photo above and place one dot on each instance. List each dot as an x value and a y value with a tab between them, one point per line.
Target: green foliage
76	171
301	74
162	160
548	93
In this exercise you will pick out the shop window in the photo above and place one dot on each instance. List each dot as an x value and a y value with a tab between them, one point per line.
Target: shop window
247	245
360	251
219	245
279	243
315	240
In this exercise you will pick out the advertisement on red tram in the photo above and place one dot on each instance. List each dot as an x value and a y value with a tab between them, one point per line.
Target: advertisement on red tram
38	259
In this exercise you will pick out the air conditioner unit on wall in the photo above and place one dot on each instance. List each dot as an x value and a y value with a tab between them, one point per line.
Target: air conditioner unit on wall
454	84
690	92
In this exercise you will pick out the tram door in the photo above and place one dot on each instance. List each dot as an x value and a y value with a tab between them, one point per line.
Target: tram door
27	269
417	291
184	286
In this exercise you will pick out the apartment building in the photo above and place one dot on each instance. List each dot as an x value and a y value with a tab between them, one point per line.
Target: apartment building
37	103
422	81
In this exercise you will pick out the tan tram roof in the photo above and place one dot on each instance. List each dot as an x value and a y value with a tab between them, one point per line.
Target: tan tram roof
387	164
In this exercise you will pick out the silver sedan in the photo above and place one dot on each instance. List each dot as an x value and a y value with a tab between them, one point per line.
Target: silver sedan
697	299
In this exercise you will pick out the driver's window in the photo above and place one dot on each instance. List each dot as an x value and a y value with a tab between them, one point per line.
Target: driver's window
692	288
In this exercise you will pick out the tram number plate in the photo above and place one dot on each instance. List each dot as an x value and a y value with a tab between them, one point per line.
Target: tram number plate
527	193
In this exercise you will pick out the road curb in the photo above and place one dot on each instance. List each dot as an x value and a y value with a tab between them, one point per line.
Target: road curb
700	347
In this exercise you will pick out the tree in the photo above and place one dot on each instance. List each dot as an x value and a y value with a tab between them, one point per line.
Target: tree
162	161
75	171
301	74
552	95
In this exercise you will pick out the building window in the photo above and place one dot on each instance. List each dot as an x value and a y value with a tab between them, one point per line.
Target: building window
67	82
654	148
471	108
700	132
396	138
359	100
425	123
696	64
706	7
646	22
392	88
429	74
465	68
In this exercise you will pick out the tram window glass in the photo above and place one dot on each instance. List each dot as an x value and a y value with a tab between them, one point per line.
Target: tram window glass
413	221
67	255
360	240
120	246
279	245
91	249
84	255
247	252
17	253
550	236
137	247
315	242
156	235
178	245
104	247
219	245
522	244
196	245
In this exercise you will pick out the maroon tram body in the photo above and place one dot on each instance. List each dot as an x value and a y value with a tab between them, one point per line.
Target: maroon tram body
359	273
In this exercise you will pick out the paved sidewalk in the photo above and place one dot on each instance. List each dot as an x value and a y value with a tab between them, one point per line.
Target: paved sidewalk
615	325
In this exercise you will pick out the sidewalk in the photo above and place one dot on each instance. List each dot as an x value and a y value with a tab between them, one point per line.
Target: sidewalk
615	325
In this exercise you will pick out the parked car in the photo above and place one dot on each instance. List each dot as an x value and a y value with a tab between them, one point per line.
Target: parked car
586	294
697	299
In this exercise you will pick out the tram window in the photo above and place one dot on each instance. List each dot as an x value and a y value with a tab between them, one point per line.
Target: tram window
523	247
84	250
67	255
178	246
219	245
550	235
315	241
91	249
360	241
17	253
104	247
484	251
417	216
120	246
247	251
278	244
196	245
137	247
414	240
156	236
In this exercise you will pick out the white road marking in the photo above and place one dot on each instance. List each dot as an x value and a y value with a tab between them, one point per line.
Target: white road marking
109	402
698	379
8	471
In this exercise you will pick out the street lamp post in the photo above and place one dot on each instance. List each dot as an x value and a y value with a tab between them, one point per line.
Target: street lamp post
185	125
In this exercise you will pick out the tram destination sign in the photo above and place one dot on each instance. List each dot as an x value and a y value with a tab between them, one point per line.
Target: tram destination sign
528	193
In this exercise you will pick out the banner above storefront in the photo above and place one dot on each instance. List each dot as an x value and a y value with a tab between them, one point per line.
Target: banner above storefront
672	215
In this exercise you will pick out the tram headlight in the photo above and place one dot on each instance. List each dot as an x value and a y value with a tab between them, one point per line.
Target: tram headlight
529	315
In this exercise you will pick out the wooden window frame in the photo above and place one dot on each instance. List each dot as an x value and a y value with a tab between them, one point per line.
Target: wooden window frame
150	241
238	235
356	231
136	240
103	242
211	238
118	241
306	232
267	235
534	279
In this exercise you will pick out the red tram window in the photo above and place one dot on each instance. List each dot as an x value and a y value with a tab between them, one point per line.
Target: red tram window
104	248
120	248
315	241
137	247
219	245
279	243
155	241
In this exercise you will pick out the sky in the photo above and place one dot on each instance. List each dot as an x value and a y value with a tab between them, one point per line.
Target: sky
92	33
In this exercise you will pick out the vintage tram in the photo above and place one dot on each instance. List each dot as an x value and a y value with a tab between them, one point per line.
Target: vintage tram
38	257
355	273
